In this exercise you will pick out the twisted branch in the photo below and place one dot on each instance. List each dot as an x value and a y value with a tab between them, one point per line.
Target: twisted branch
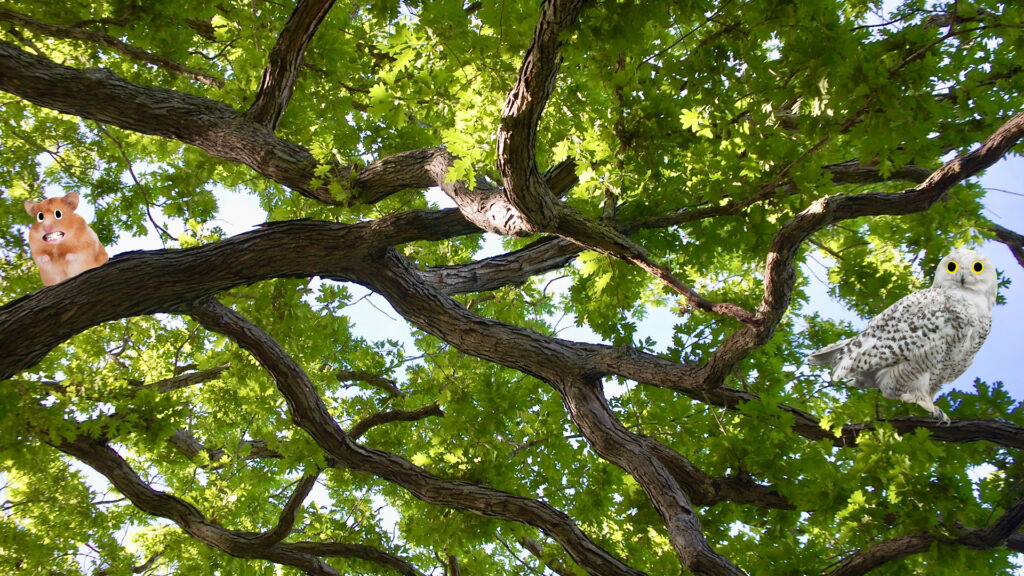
285	61
311	414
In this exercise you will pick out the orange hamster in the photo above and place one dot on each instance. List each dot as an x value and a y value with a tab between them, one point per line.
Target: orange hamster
62	243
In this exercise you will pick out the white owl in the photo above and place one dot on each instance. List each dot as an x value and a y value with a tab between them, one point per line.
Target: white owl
924	340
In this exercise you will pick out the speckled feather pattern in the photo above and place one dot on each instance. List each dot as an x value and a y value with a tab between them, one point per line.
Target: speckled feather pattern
925	340
934	330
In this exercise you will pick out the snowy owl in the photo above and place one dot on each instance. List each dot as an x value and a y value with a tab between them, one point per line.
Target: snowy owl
924	340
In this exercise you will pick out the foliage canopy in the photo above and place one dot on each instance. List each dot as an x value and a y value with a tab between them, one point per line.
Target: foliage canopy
213	408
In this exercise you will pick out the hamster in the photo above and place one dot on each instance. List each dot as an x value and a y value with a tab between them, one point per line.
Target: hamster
62	243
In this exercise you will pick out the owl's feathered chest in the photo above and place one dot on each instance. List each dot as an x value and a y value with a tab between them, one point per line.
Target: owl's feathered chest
962	346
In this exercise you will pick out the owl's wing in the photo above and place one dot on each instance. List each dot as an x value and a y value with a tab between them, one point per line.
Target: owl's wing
916	330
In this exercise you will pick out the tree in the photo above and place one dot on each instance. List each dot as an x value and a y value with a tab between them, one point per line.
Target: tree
673	159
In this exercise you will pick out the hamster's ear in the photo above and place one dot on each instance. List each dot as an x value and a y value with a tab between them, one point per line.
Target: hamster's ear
71	200
32	208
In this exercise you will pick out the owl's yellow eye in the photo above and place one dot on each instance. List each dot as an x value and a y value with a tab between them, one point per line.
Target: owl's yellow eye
978	267
951	267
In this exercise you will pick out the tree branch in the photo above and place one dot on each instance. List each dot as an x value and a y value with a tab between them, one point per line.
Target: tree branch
174	278
543	255
186	379
223	133
100	457
215	128
525	190
885	551
556	565
360	551
780	267
81	34
309	413
808	426
211	126
1013	241
364	425
853	172
780	274
34	324
602	238
377	381
604	432
994	535
706	490
561	365
285	61
286	522
188	445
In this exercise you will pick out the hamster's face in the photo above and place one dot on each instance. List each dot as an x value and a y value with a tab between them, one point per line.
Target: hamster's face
54	218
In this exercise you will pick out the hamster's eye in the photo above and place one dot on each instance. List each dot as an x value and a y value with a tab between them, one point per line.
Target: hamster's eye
978	267
951	267
40	216
57	214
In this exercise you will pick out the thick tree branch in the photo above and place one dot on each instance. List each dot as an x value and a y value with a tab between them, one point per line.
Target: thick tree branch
780	273
213	127
34	324
224	133
997	533
285	61
590	412
885	551
525	190
561	365
309	413
177	277
81	34
531	206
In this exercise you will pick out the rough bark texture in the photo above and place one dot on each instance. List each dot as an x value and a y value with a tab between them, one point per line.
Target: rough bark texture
285	60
